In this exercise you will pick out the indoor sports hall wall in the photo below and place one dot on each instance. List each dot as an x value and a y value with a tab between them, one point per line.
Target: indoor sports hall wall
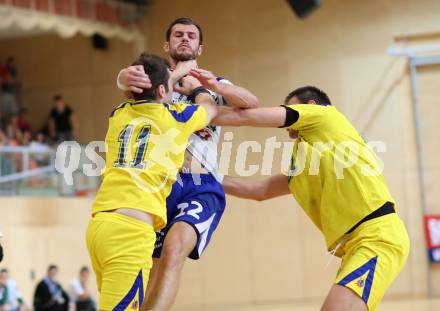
41	231
262	252
86	77
270	251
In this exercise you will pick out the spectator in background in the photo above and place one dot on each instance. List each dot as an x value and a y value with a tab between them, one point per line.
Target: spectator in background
37	144
79	291
23	121
10	67
62	121
3	293
3	138
8	100
49	295
2	121
13	133
3	71
13	298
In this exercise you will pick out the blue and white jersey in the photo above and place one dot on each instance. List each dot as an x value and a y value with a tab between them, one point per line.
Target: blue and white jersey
203	144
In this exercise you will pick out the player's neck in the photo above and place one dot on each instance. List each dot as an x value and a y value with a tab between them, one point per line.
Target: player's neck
173	63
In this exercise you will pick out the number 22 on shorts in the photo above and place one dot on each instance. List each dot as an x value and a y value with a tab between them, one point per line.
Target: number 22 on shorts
183	207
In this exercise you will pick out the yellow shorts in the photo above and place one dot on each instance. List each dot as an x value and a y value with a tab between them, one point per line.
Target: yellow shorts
373	255
120	249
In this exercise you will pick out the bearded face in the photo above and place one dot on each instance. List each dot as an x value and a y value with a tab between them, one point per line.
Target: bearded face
184	43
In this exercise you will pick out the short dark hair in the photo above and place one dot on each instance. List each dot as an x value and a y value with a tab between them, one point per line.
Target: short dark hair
57	97
84	269
157	70
4	270
52	267
307	93
184	21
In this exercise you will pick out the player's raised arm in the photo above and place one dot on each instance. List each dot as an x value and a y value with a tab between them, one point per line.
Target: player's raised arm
258	190
234	95
134	78
260	117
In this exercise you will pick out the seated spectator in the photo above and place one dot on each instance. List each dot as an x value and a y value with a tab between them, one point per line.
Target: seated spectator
79	292
49	295
13	298
13	134
22	121
62	121
3	138
38	144
26	138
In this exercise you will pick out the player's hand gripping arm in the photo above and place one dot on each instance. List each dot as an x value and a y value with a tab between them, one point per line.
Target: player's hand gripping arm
192	87
134	78
182	69
259	190
234	95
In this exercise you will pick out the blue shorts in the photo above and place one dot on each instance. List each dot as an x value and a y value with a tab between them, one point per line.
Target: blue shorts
199	201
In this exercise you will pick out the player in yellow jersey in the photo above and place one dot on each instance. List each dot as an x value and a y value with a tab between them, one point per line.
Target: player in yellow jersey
146	142
335	178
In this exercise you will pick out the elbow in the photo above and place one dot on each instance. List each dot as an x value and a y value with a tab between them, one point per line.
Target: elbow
260	198
253	102
248	101
261	195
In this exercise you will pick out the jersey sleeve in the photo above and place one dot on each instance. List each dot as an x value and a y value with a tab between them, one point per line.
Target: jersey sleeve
193	117
199	118
309	116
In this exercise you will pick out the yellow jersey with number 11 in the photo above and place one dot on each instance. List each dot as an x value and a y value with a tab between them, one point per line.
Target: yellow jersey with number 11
146	144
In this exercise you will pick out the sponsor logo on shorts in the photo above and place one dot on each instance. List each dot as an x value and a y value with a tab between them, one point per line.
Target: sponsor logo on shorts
360	283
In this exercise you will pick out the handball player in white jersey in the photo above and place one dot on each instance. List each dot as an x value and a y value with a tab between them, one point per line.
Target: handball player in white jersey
197	201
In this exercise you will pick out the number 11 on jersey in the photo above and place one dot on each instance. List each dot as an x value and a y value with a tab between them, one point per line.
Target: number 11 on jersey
141	141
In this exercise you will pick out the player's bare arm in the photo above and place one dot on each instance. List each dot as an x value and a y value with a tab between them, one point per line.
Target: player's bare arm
258	190
234	95
134	78
258	117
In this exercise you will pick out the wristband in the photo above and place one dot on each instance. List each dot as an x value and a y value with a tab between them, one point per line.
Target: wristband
197	91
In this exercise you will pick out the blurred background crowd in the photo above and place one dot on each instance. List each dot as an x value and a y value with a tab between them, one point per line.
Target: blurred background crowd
49	294
15	127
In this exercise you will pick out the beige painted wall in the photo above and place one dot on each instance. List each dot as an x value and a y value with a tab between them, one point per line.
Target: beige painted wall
41	231
342	49
269	252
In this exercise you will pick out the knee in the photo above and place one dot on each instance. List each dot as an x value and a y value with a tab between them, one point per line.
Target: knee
172	255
